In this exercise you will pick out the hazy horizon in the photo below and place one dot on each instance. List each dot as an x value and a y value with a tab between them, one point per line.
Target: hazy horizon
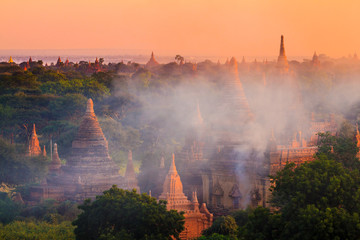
198	28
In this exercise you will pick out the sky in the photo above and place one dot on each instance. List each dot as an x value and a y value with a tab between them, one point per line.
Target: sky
185	27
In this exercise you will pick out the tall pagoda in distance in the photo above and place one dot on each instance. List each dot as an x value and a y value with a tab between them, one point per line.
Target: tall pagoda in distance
152	62
282	62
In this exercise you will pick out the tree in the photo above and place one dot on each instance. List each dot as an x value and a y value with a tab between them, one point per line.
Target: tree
179	58
122	214
258	223
8	209
224	226
36	230
341	148
215	236
318	200
17	169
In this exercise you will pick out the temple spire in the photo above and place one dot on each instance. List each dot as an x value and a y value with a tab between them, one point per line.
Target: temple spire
34	146
282	60
90	106
55	163
11	60
172	169
152	61
282	48
315	60
34	131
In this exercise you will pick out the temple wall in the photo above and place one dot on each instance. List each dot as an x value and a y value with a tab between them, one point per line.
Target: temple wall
195	223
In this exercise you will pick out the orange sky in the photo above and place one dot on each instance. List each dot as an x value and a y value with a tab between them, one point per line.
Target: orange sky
197	27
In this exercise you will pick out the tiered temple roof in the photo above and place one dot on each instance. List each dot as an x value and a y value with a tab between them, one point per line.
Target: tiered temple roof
89	170
234	96
173	190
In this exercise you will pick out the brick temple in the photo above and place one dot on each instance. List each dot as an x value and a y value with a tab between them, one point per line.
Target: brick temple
196	219
89	170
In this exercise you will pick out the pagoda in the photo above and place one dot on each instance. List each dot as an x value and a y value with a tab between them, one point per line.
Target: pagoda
315	60
173	190
10	60
59	62
234	97
130	181
55	164
282	62
34	146
89	170
97	66
196	219
152	62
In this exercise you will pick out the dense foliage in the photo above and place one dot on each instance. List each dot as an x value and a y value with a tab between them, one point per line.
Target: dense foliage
16	168
121	214
37	231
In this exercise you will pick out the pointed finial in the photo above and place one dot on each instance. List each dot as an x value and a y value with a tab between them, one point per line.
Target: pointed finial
34	130
194	199
11	60
173	167
90	106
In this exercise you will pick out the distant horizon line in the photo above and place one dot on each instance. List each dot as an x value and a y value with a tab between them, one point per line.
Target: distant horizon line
140	52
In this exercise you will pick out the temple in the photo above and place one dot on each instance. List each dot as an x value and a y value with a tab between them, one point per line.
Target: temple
89	170
152	62
196	219
59	63
34	146
282	62
55	164
315	60
130	181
